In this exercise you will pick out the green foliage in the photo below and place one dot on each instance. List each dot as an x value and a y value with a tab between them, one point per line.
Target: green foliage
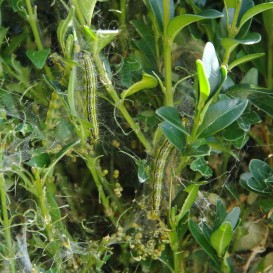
129	143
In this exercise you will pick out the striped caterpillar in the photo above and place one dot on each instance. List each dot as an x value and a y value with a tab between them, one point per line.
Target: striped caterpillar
159	172
90	92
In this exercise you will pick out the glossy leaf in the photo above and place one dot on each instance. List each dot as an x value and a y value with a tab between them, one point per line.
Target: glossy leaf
200	165
259	169
220	214
220	115
212	67
245	90
230	44
203	242
240	142
195	150
251	77
172	116
221	238
99	39
233	132
87	8
245	59
147	82
248	182
157	8
38	58
233	217
249	14
265	103
192	191
204	86
247	119
175	136
181	21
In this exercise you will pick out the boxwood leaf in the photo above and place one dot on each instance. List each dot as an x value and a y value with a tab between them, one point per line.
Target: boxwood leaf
172	115
259	169
203	242
212	67
254	11
233	217
204	86
175	136
245	59
38	58
181	21
146	82
220	115
200	165
221	238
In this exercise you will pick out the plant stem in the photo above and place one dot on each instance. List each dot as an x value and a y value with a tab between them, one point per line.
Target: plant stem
167	55
119	103
32	19
9	251
178	256
91	164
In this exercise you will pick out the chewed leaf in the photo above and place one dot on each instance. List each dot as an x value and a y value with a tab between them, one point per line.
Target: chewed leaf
200	165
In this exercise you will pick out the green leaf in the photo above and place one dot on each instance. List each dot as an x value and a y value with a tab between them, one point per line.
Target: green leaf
259	169
220	214
262	102
200	165
240	142
220	115
172	116
248	182
181	21
245	59
212	67
192	191
251	77
249	14
146	43
204	87
247	119
39	161
87	9
175	136
157	8
38	58
245	90
203	242
233	217
99	39
63	29
197	149
233	132
147	82
221	238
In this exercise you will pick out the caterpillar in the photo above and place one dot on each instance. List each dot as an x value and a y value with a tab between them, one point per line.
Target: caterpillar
90	91
159	171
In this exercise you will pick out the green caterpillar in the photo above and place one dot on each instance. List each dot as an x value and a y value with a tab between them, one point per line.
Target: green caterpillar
159	171
90	90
